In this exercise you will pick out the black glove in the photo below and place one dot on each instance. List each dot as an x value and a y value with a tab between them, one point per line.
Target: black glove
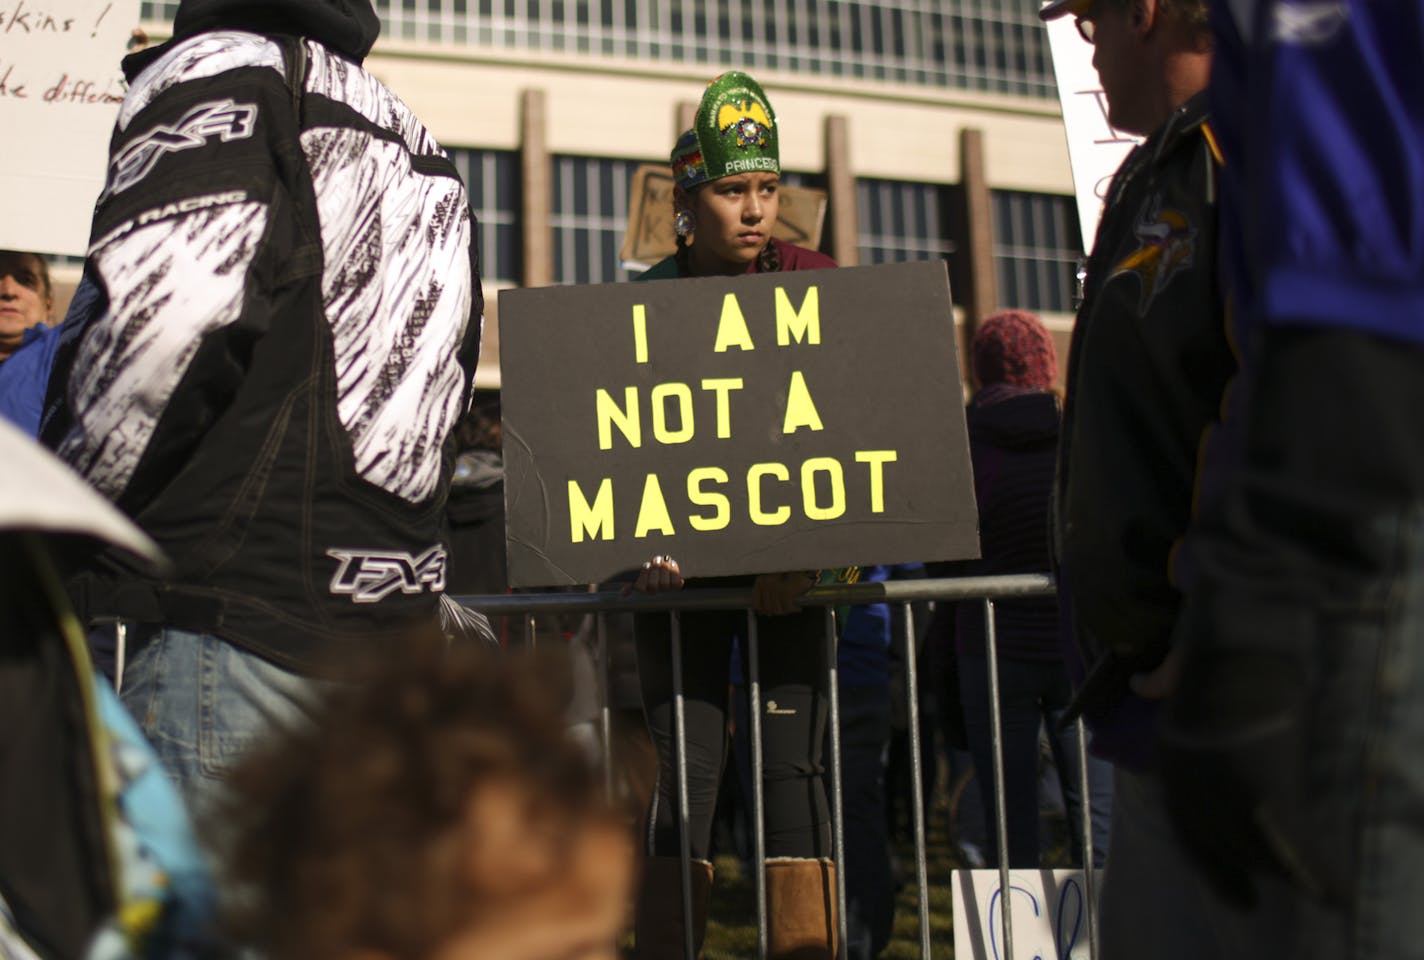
1233	742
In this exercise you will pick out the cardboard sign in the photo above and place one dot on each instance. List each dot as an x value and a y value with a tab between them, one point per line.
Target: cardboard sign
40	492
1048	909
650	236
1095	148
60	90
749	424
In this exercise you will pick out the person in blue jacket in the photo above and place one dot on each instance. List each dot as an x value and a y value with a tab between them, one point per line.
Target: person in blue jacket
27	339
1293	729
26	297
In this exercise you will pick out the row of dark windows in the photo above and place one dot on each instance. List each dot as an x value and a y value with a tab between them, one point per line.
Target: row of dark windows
990	45
1036	245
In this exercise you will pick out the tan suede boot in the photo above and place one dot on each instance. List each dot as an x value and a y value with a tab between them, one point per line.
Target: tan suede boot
658	926
801	909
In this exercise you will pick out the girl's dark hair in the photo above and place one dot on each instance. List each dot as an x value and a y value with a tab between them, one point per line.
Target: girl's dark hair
769	261
684	264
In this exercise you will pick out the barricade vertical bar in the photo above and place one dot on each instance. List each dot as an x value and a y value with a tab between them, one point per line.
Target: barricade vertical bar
1085	817
991	654
605	711
917	780
837	811
758	788
529	630
121	642
679	720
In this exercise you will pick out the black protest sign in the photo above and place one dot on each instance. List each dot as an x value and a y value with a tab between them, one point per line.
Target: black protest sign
746	424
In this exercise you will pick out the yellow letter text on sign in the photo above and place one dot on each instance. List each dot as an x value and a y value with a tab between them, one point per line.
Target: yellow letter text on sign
653	514
732	328
682	393
640	333
754	476
721	506
626	419
832	468
722	386
877	460
804	325
595	522
800	408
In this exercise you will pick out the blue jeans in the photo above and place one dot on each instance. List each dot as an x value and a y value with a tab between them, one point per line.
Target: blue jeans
1032	693
1361	792
1363	786
1153	901
203	702
1359	799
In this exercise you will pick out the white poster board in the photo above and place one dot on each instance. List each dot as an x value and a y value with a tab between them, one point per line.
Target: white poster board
1095	148
60	89
1049	910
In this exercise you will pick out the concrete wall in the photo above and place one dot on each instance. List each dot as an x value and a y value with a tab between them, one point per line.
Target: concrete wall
609	108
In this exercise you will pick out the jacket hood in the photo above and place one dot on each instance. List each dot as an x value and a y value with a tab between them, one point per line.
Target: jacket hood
1016	420
348	27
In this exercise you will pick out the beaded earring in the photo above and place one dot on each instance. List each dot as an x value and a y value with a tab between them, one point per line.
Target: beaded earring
683	223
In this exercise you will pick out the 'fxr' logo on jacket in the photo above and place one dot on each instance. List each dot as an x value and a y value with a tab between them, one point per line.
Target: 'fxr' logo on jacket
370	575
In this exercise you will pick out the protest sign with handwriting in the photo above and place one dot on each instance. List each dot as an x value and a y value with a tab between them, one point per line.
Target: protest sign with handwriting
751	424
1095	147
1049	910
60	90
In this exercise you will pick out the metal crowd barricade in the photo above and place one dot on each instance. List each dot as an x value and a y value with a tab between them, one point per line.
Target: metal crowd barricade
904	592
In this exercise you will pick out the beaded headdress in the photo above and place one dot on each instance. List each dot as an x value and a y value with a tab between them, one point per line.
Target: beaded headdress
734	132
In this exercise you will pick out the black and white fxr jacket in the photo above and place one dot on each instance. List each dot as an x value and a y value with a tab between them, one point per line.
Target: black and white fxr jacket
287	334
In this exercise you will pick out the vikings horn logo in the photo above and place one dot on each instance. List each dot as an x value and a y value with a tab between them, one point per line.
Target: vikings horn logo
747	119
1166	246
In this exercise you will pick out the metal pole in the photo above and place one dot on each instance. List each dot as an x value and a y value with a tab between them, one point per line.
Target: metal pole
605	713
962	588
679	718
837	813
917	780
121	642
1001	816
1014	586
529	631
758	788
1085	818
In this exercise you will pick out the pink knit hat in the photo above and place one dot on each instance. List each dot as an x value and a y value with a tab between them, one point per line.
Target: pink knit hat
1012	346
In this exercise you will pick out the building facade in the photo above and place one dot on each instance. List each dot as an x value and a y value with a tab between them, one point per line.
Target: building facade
934	126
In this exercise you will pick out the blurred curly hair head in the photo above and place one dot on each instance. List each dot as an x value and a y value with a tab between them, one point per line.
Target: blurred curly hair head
357	834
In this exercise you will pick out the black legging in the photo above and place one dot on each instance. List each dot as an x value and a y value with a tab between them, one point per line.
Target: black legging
793	706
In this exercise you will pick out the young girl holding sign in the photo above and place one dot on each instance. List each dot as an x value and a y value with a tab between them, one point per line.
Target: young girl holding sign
727	174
